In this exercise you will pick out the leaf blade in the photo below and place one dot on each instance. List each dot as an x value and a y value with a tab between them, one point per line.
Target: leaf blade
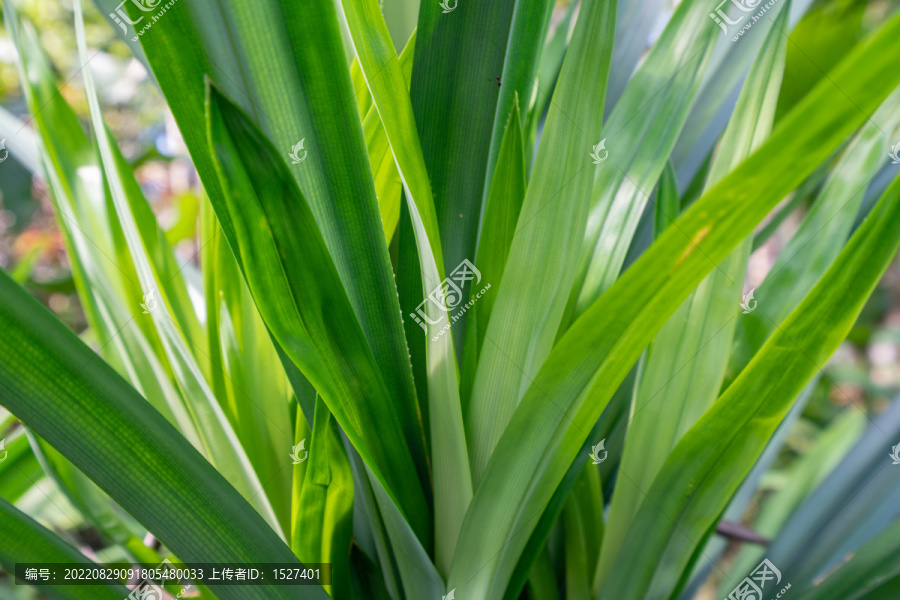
544	436
303	303
721	448
58	387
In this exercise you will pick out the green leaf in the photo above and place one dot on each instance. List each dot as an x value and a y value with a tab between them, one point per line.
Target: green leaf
323	515
73	176
674	393
388	186
707	466
91	502
610	427
366	506
23	540
821	234
582	372
634	21
668	204
348	213
19	470
826	526
725	79
870	573
59	388
583	525
539	269
642	130
542	580
550	62
303	302
744	498
419	575
95	240
363	97
488	49
449	456
801	480
277	59
519	89
220	444
501	215
246	375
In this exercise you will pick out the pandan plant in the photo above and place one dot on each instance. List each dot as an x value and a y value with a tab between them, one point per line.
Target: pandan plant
469	317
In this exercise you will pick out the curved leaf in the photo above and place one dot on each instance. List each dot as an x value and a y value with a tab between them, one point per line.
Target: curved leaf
588	363
449	456
23	540
707	466
220	444
674	393
539	269
873	572
58	387
301	299
642	130
276	59
500	217
821	234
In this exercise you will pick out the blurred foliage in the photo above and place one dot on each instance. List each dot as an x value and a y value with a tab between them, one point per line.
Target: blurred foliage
30	241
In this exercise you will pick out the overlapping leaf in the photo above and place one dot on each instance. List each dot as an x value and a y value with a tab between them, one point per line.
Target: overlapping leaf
581	373
303	302
262	56
220	444
709	463
674	393
449	457
23	540
539	268
58	387
642	130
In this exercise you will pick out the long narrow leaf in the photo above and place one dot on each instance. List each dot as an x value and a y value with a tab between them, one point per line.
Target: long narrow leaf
642	130
23	540
674	393
57	386
706	467
222	446
449	456
276	60
303	302
587	364
539	271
